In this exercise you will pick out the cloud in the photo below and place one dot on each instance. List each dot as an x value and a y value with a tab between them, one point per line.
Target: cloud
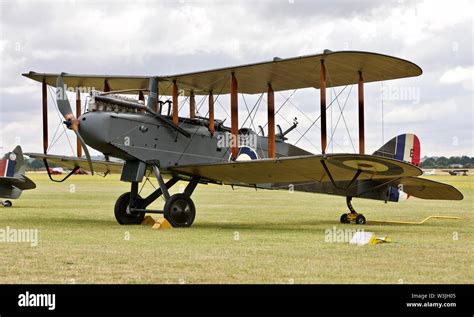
463	75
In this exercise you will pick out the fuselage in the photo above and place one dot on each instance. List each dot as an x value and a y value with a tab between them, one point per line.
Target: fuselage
139	136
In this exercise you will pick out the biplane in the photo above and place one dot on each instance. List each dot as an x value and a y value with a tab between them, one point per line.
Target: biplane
151	137
12	176
456	172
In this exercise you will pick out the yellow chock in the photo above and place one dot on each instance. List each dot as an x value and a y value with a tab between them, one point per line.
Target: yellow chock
378	240
162	223
148	221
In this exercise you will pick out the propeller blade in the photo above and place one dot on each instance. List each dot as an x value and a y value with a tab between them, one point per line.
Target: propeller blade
86	151
61	98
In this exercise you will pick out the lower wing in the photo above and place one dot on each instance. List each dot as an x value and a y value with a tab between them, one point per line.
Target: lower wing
319	168
101	166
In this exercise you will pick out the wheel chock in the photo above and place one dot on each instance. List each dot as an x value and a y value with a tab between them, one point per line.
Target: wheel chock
148	221
362	237
162	223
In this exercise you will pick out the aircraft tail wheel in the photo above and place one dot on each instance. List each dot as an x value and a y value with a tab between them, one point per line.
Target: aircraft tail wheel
180	210
344	218
360	220
7	203
122	214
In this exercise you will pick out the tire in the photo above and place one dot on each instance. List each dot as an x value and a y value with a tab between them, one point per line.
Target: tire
344	218
180	211
120	211
7	203
360	220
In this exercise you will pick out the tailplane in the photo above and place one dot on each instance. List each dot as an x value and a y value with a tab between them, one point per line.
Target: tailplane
405	147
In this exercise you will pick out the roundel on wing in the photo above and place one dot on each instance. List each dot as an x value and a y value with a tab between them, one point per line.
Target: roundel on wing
246	154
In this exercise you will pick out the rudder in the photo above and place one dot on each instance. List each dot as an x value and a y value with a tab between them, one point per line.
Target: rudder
404	147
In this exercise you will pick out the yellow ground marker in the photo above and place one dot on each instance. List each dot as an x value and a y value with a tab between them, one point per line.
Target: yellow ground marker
412	222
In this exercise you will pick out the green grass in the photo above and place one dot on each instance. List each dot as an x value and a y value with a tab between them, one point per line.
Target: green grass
281	238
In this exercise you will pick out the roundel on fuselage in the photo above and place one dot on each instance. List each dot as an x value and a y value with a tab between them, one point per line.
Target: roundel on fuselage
246	154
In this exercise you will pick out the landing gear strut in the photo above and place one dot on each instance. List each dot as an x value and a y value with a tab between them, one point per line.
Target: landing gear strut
353	216
179	209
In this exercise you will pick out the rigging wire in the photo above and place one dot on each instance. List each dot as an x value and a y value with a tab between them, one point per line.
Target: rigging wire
314	122
342	113
61	120
339	118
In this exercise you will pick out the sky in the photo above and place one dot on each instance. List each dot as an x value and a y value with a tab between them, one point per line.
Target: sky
172	37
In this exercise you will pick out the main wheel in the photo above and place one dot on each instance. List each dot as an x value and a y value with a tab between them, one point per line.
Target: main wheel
344	218
180	210
360	220
122	213
7	203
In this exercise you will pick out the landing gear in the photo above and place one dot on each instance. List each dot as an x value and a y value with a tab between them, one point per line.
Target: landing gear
6	203
344	218
123	212
353	216
180	210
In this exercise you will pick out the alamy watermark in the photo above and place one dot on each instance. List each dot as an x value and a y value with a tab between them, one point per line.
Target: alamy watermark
403	93
61	92
227	140
335	235
13	235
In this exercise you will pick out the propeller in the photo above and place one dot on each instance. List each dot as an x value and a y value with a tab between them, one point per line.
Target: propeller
70	120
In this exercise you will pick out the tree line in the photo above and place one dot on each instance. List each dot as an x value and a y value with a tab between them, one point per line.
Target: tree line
445	162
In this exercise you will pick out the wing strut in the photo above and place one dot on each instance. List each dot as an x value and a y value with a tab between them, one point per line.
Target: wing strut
211	113
322	89
271	122
326	169
234	117
78	114
361	115
45	116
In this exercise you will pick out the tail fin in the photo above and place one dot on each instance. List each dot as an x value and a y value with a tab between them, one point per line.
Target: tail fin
13	164
405	147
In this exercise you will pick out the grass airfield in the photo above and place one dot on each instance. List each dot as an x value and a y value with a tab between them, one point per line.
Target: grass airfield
239	236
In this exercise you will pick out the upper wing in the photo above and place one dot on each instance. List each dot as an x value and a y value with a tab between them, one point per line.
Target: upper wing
301	72
341	167
428	189
72	162
284	74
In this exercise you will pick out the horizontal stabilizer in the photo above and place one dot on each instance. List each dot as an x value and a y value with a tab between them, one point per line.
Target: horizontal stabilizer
22	182
428	189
